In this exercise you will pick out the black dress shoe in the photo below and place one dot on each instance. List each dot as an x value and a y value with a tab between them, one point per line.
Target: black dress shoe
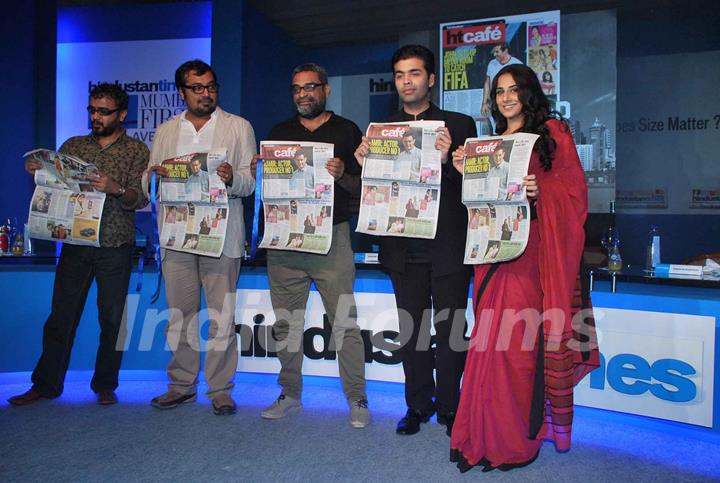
410	424
106	397
26	398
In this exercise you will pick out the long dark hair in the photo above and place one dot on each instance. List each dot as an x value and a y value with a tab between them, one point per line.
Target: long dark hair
535	109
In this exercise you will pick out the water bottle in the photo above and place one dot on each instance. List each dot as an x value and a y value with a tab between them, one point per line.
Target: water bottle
27	241
653	248
611	242
614	259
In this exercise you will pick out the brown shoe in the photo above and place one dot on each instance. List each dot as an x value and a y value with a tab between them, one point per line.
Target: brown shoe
223	405
106	397
26	398
172	399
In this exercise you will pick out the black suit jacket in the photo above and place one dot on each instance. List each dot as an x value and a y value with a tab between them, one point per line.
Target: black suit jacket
447	249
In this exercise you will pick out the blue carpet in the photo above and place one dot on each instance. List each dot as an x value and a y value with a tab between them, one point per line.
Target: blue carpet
73	439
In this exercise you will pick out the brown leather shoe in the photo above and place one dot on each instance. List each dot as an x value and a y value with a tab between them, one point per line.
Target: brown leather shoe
106	397
26	398
172	399
223	405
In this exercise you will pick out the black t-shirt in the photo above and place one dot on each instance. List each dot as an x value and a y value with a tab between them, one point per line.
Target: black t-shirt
343	134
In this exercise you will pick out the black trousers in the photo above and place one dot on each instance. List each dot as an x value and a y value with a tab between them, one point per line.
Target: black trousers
419	295
78	266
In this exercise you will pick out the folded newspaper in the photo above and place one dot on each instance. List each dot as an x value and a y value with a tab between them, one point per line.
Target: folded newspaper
195	202
64	205
498	211
401	180
297	195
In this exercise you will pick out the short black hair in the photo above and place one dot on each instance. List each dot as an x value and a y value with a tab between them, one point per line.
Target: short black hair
111	91
415	51
312	67
196	65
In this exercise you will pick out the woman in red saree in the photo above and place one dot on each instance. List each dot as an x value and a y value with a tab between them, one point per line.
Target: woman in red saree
526	351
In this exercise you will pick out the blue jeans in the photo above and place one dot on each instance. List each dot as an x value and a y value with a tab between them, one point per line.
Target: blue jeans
78	266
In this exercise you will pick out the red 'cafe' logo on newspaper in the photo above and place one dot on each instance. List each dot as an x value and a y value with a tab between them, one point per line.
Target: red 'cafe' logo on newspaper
388	132
492	33
486	147
285	151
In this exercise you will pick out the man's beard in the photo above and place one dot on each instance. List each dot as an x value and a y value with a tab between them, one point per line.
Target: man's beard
316	107
103	131
202	110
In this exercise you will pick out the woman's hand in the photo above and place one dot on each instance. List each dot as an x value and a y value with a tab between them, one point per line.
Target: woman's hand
532	190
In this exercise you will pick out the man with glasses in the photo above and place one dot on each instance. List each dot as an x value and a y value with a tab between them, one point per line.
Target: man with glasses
290	273
121	161
201	127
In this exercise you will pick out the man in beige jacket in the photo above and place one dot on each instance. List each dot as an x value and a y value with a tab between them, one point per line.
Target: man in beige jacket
200	128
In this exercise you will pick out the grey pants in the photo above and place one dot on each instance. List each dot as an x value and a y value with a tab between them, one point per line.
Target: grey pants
185	275
290	274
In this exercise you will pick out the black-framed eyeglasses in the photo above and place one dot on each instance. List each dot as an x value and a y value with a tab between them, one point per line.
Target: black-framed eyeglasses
199	88
309	87
103	111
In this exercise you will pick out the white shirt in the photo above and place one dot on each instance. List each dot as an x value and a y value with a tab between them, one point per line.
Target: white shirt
494	67
192	141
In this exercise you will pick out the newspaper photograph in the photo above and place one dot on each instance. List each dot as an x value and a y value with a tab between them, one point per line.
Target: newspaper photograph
64	206
194	228
498	211
297	195
195	204
401	180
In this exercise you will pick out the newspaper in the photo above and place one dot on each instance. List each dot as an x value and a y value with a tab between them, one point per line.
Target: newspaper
498	211
64	206
195	202
298	196
401	180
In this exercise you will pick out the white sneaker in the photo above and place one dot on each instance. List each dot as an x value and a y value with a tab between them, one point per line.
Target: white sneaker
282	406
359	414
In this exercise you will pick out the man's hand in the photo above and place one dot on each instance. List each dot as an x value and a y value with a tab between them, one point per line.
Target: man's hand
458	159
335	167
485	111
443	142
32	165
104	183
225	171
253	165
362	151
159	169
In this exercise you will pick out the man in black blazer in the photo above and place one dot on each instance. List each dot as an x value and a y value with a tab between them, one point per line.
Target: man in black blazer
428	276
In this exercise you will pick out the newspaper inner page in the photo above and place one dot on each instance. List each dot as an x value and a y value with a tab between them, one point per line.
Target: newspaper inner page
498	210
401	180
298	196
64	206
195	204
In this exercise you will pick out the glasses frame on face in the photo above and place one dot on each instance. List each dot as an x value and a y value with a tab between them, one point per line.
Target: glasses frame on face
308	87
103	111
212	88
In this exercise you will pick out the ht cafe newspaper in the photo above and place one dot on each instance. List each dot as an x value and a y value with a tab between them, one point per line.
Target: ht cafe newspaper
64	206
498	211
195	204
297	195
401	180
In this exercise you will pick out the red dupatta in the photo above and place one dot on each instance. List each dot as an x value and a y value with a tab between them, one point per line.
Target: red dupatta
570	348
